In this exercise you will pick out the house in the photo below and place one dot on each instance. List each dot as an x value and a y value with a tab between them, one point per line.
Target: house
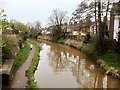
116	12
50	33
114	21
116	27
93	28
74	31
69	29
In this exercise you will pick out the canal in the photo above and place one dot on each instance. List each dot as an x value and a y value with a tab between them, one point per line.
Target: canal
61	66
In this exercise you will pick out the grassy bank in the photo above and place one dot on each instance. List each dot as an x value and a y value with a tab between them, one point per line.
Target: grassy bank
20	58
110	62
31	71
62	41
87	48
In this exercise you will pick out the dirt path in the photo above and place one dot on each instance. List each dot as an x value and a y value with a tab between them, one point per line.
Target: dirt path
20	80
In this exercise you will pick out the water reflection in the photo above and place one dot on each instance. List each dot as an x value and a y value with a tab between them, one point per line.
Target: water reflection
64	67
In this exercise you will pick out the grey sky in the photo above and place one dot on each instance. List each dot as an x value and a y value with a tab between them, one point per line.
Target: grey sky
31	10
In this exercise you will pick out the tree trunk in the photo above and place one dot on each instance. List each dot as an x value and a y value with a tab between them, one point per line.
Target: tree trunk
95	18
111	27
100	41
106	19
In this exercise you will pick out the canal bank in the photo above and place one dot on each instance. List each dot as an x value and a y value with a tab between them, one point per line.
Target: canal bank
20	79
24	66
33	67
61	66
109	65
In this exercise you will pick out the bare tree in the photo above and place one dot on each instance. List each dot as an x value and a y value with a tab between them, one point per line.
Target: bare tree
29	25
57	19
35	29
37	26
78	13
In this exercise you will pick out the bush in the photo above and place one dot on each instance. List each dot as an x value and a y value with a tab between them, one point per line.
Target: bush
90	47
10	41
20	57
61	41
9	47
24	36
87	38
20	44
6	53
111	59
34	65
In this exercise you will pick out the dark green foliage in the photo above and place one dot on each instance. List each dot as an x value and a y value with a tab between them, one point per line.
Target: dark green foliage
89	48
20	44
34	35
111	59
104	29
6	53
24	36
8	48
21	57
87	38
5	24
30	36
34	64
101	41
20	26
62	41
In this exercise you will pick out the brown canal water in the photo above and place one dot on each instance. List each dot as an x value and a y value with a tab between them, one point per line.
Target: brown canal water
61	66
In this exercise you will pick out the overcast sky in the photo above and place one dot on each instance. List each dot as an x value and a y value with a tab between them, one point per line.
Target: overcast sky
32	10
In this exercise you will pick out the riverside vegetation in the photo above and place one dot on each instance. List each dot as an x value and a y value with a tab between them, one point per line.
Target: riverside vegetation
108	60
20	59
31	71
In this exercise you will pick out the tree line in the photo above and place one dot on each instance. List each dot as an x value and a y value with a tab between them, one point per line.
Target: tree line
85	14
14	35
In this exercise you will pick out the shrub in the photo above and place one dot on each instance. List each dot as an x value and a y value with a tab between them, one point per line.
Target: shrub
24	36
33	67
87	38
20	44
9	47
6	53
61	41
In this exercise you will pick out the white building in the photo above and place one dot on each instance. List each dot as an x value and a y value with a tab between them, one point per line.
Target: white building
116	12
116	27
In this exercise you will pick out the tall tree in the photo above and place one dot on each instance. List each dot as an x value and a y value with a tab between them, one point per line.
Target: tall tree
8	45
37	27
78	13
101	36
95	15
3	21
57	19
20	26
